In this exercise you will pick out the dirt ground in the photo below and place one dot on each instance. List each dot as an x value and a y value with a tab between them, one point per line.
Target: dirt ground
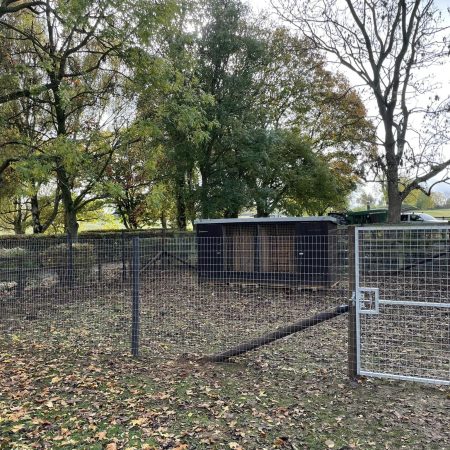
68	380
294	398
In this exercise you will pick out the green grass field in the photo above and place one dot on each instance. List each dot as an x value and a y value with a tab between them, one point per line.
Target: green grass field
438	212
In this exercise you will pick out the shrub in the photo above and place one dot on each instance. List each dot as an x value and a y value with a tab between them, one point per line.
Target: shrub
15	258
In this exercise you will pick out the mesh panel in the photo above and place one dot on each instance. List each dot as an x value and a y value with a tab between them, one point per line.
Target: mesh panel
409	336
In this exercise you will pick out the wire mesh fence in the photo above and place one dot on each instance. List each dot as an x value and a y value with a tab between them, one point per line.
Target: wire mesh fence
404	328
170	296
196	295
228	290
60	290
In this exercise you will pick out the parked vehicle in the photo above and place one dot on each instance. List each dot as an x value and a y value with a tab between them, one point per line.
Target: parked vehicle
419	217
380	216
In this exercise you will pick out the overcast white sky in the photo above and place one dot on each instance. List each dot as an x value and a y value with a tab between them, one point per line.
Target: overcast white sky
441	76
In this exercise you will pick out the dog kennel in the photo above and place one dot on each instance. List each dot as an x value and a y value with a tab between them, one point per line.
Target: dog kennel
287	249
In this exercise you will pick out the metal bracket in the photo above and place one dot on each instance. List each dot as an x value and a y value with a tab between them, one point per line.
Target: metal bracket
353	299
368	300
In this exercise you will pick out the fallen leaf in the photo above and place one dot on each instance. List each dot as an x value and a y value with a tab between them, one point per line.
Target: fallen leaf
140	421
235	446
280	441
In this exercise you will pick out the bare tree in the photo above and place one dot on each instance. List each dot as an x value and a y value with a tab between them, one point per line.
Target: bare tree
392	46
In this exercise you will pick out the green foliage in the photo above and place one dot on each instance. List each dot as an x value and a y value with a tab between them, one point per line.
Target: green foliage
286	176
257	86
168	111
15	258
423	201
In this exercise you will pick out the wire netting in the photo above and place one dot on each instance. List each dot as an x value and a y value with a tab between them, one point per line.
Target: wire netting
410	333
198	296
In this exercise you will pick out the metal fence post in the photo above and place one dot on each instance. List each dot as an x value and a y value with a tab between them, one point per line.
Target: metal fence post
135	297
352	335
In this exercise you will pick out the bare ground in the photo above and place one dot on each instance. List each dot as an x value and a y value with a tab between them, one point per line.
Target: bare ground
68	382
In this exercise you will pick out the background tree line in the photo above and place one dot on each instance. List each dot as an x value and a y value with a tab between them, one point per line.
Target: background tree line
164	112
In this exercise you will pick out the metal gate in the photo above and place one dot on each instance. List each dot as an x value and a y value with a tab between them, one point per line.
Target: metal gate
402	295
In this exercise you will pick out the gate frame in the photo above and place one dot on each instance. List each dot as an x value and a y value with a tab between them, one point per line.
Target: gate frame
354	360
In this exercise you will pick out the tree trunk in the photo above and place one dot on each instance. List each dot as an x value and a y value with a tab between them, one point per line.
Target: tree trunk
205	202
181	213
395	205
163	219
70	212
231	214
70	222
36	215
19	223
180	203
262	209
392	178
394	196
261	212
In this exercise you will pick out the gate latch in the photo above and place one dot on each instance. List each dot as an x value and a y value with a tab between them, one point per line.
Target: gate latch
368	300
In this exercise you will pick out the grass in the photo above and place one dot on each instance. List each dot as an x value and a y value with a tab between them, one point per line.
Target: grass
68	382
55	398
438	212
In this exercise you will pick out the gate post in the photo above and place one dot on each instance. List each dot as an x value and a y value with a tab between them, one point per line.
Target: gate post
352	334
135	297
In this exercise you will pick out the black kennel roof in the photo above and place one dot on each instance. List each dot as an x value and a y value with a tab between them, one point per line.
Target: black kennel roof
267	219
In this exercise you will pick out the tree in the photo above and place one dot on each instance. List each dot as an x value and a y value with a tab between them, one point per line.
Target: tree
14	6
170	105
366	200
31	168
284	174
26	201
308	131
263	79
12	12
69	53
422	200
231	53
15	211
74	49
132	175
387	45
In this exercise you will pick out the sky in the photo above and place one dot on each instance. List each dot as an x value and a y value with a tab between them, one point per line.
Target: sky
441	76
